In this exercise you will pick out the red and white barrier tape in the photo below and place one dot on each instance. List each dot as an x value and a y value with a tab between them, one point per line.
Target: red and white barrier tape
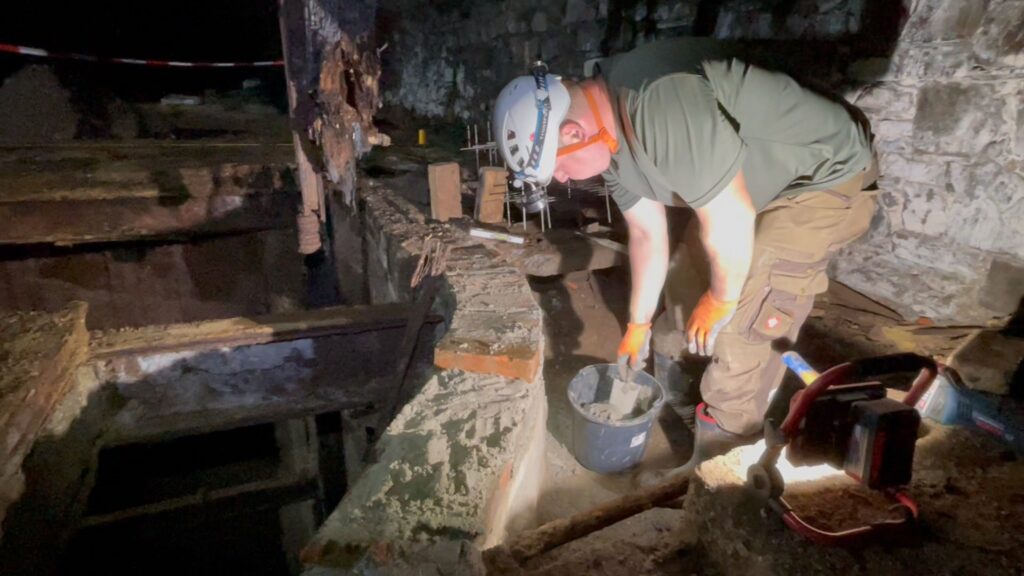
27	51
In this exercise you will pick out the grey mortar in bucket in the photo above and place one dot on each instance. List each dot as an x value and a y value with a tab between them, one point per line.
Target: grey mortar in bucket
602	445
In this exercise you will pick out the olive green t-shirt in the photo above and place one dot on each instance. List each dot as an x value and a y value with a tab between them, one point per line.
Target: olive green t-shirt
690	117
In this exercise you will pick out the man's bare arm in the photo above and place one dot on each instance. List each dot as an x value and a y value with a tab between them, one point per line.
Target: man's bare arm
648	257
727	232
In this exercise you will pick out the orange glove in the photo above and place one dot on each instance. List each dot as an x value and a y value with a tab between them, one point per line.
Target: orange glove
634	348
707	320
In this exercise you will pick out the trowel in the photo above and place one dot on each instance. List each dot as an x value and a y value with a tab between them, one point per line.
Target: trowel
625	391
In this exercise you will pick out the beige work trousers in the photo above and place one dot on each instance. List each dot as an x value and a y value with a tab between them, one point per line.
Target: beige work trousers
794	240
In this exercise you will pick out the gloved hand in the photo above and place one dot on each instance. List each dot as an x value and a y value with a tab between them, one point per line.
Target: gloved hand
634	348
707	320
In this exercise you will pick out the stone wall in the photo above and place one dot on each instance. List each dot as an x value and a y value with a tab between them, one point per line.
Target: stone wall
949	242
452	58
940	81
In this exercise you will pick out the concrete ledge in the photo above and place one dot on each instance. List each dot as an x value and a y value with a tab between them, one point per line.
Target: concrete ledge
451	467
461	465
39	355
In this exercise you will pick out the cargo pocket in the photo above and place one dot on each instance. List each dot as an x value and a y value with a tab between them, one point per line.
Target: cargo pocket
788	300
771	323
799	279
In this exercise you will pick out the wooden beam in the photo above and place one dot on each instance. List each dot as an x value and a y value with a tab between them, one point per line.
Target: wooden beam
300	106
508	558
232	332
129	219
263	494
445	183
175	382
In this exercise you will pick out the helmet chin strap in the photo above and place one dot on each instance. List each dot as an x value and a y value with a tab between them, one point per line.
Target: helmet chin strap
602	135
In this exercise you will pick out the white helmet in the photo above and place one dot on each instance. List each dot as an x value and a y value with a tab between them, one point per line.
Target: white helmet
527	116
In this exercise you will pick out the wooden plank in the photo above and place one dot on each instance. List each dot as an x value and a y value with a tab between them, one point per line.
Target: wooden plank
292	19
71	222
249	331
260	494
507	558
143	425
490	195
445	183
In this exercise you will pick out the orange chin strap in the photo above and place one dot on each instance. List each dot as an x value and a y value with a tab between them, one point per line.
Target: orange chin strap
603	135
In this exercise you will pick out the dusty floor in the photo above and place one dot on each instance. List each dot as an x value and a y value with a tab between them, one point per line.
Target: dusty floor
967	485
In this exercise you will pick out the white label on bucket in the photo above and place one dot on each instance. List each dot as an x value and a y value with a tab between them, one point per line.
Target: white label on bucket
637	440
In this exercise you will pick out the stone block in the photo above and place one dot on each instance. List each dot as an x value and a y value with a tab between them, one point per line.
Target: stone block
539	22
1018	147
987	361
1001	37
892	135
920	168
676	14
938	20
989	213
933	61
888	100
588	38
1003	290
925	209
958	118
579	11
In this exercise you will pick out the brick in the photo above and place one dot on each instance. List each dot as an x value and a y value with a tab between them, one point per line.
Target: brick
445	190
520	362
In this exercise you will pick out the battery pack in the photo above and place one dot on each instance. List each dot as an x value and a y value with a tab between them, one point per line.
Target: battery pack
880	452
825	431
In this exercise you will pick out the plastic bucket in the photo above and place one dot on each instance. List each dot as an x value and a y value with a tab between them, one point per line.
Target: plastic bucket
600	445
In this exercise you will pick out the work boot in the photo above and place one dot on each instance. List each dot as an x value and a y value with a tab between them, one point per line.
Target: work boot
712	440
681	390
709	441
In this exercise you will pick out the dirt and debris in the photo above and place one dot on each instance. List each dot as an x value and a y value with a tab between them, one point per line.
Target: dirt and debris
967	484
35	108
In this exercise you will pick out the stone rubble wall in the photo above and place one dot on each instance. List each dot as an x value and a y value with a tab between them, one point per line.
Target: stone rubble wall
940	81
946	111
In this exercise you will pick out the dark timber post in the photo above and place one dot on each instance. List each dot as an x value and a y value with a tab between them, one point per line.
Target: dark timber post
297	61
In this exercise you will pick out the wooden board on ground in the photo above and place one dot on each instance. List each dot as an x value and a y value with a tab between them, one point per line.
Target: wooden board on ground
490	195
445	190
